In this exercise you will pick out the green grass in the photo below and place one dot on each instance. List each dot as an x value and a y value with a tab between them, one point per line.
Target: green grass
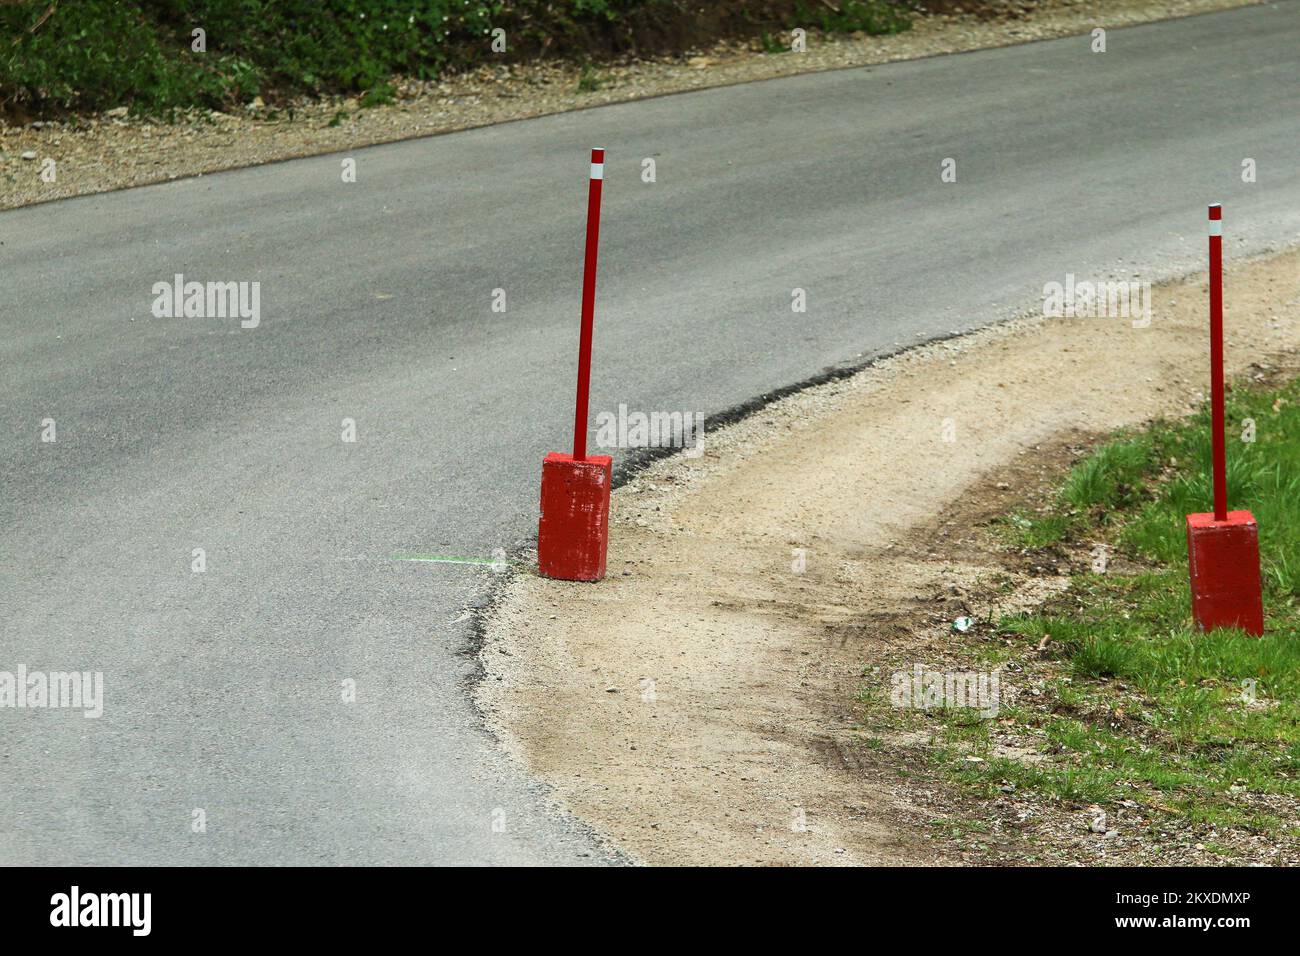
97	54
852	16
1112	476
1207	726
89	55
1116	476
588	79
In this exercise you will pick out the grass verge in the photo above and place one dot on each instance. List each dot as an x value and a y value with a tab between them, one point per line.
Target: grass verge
1111	701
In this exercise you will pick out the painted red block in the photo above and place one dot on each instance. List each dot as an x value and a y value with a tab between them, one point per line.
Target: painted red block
573	533
1224	561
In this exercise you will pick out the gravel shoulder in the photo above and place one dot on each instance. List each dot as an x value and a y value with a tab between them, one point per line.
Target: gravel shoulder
698	706
53	160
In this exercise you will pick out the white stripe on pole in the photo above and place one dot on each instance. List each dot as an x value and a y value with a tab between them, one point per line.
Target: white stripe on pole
597	170
1216	227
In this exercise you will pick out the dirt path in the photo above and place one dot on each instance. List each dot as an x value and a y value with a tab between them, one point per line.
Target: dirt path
114	151
696	705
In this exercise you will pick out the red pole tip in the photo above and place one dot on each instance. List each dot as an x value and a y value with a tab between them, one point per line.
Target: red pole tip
1216	211
597	155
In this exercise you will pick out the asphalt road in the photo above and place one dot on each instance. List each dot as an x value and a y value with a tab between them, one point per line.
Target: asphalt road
223	689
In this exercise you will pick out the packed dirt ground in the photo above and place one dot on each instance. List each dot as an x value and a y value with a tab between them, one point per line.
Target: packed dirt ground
112	151
700	705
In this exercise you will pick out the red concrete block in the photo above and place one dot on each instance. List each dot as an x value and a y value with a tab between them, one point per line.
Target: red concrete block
1224	560
573	533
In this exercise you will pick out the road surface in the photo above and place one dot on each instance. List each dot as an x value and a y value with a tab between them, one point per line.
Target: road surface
223	690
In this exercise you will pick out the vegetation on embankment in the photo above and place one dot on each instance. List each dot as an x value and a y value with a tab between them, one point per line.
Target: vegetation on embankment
88	55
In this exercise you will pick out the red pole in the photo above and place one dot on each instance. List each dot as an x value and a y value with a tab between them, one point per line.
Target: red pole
1216	363
588	305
